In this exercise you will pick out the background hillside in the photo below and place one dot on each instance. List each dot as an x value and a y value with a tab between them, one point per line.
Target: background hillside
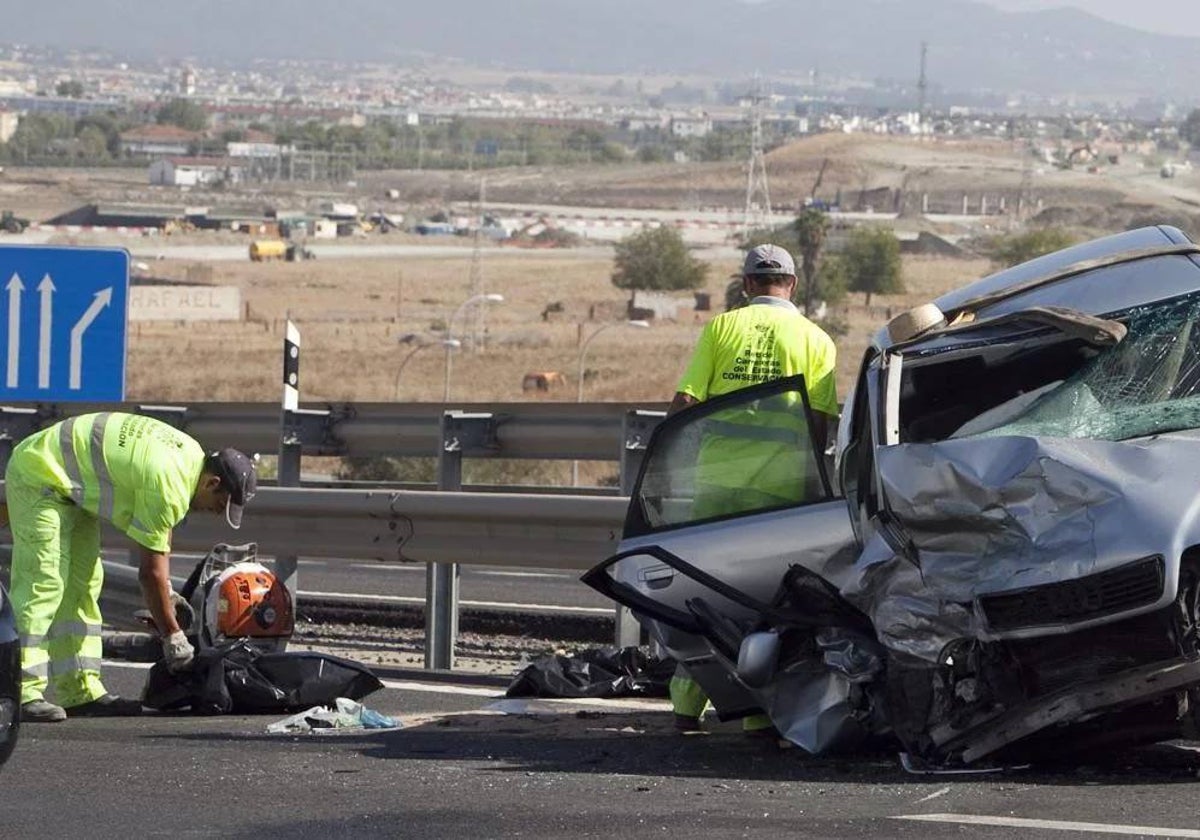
972	45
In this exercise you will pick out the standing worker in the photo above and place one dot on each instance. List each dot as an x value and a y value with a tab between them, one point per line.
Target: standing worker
765	340
143	476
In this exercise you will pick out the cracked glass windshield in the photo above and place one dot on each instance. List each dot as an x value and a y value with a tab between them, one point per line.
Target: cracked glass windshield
1147	384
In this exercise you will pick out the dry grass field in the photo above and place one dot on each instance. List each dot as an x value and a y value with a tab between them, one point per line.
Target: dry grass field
351	314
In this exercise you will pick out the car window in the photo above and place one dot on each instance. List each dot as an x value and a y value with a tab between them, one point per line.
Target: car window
741	453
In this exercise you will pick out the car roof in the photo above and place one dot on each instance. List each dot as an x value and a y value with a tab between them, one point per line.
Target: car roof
1091	277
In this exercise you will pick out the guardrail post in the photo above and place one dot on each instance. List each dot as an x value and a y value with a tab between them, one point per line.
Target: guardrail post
290	445
636	427
462	433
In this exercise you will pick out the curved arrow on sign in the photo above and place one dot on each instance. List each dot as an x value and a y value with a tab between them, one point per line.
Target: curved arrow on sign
102	299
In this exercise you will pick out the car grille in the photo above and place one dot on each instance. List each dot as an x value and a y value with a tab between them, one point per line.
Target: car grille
1114	591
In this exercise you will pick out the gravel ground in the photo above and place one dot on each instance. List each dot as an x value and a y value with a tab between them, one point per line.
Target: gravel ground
400	647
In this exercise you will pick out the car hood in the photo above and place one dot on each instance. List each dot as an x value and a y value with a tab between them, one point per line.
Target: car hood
989	515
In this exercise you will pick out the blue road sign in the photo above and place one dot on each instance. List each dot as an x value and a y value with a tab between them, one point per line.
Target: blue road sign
62	328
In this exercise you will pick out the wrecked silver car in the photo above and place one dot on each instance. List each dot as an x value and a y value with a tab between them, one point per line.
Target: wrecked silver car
1004	560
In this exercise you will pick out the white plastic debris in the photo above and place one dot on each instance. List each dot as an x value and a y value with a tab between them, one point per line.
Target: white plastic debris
343	715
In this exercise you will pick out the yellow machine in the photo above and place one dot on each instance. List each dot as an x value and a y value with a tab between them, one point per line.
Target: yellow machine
262	250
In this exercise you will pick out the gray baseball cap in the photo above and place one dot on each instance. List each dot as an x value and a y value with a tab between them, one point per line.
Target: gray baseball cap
768	260
238	478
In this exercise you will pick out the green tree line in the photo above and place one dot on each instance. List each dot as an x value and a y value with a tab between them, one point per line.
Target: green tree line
457	143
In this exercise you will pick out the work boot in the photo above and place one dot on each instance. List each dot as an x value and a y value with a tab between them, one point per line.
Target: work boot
107	705
42	711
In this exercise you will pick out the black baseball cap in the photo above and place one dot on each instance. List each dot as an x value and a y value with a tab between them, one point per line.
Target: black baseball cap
238	478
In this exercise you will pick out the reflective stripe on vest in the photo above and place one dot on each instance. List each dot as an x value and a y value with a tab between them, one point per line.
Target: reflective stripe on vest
743	431
66	441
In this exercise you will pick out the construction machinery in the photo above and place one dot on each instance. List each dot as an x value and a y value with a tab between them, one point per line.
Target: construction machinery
12	223
263	250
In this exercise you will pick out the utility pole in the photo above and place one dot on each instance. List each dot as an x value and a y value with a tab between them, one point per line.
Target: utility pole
757	212
1028	147
922	85
476	331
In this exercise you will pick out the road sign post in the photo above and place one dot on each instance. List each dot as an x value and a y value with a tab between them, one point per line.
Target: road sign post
64	324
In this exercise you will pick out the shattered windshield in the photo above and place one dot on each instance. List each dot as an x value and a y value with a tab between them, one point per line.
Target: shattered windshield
1147	384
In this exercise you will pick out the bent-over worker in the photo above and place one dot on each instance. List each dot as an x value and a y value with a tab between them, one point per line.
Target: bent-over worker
143	476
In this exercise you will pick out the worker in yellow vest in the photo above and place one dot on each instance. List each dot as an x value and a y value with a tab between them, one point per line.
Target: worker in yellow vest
750	458
143	476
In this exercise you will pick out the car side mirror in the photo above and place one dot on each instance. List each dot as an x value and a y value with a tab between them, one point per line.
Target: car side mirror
758	657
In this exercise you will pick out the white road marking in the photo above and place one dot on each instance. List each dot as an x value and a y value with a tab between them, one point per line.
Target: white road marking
415	599
389	567
443	688
1053	825
393	567
549	575
934	795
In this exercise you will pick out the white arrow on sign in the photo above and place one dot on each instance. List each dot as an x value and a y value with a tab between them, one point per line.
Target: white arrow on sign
15	287
102	299
46	290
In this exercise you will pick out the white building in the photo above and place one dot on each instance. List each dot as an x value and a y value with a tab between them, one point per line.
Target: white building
193	171
8	124
691	126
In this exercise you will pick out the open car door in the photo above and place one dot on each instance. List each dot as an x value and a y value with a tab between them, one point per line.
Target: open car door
732	492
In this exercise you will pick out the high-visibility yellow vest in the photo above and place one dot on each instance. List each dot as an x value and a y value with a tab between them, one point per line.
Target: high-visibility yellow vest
763	446
136	472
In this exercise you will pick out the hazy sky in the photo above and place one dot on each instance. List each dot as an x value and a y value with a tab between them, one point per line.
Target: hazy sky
1172	17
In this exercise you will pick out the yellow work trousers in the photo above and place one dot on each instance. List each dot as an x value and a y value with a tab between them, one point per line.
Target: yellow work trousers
56	580
689	700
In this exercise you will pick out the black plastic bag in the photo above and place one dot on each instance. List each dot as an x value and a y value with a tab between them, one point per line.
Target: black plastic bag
238	678
597	672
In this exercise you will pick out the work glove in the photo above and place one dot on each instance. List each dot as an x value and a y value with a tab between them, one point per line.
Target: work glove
177	651
184	614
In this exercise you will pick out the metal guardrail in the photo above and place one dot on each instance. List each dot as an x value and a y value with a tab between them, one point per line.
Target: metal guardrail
567	431
442	528
500	529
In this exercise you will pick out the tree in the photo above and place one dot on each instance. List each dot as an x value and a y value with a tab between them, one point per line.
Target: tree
72	89
92	143
184	114
811	226
656	258
1190	129
872	259
833	279
1022	247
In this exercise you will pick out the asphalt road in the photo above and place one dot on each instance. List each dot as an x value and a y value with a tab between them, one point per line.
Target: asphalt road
457	770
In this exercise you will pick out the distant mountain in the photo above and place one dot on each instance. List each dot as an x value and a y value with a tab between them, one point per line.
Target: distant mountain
972	45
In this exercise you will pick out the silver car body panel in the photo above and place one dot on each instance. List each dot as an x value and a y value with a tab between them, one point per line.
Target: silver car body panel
994	515
816	536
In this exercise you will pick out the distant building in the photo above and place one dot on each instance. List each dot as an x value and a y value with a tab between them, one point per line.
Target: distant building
187	82
253	150
195	171
8	124
691	126
73	108
158	140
